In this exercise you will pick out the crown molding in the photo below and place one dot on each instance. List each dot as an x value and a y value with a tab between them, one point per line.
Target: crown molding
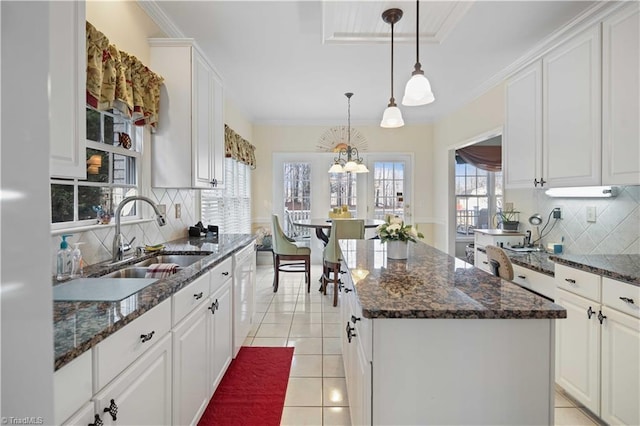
151	8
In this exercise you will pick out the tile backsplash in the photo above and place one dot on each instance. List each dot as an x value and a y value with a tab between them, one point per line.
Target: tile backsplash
97	241
616	229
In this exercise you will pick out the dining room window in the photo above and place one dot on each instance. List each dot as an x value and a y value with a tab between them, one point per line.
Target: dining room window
389	189
296	197
343	191
478	198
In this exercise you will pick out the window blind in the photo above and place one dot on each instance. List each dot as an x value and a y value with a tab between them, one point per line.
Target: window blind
229	208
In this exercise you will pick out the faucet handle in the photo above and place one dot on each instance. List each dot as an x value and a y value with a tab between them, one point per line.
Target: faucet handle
126	245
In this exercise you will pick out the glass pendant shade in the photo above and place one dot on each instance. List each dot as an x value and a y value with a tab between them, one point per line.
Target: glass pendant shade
350	166
362	169
392	118
418	91
336	168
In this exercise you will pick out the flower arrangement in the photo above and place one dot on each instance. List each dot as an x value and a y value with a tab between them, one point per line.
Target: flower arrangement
394	229
263	237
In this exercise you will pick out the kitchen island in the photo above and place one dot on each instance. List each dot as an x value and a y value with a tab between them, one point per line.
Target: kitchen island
435	340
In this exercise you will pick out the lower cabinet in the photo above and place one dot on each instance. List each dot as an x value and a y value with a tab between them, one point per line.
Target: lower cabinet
86	415
141	395
536	281
220	338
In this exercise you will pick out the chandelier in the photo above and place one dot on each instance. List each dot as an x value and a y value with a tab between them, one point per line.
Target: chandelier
348	159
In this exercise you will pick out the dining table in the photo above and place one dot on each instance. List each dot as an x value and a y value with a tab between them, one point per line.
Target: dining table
322	224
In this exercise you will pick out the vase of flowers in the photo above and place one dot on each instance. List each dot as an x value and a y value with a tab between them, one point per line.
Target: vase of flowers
397	235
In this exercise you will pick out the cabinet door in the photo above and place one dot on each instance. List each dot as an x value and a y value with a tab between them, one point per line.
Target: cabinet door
620	368
621	103
244	277
190	387
218	153
571	112
142	393
220	332
67	91
578	349
84	416
202	126
523	128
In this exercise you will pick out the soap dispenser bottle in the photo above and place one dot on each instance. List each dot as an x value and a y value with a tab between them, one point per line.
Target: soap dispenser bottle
76	261
63	259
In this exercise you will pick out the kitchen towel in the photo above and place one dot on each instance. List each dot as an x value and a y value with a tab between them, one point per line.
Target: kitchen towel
161	270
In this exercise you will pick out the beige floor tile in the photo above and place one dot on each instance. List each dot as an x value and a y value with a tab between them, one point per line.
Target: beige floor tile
285	297
270	341
334	392
306	330
273	330
331	318
301	416
304	392
306	345
332	346
331	330
332	366
247	341
308	307
262	307
282	307
306	366
571	417
277	318
562	401
303	317
336	416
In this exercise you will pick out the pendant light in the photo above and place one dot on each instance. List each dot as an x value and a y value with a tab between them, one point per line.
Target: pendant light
392	116
418	89
352	162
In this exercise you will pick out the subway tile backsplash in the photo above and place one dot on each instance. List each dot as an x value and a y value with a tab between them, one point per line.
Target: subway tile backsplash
97	241
616	229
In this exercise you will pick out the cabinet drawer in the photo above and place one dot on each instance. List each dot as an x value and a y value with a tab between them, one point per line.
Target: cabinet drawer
220	274
578	282
72	387
536	281
189	297
483	240
621	296
116	352
481	261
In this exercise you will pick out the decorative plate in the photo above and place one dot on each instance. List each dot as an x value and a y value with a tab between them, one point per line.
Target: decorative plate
335	138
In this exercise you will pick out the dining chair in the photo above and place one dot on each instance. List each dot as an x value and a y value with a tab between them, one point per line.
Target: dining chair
289	255
500	263
332	256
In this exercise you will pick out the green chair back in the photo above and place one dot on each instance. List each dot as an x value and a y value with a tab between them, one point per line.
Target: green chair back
342	229
281	243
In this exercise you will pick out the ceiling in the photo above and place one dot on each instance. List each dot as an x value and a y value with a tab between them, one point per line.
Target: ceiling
290	62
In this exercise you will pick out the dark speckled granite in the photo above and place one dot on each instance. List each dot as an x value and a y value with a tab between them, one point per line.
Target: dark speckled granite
622	267
537	261
78	326
432	284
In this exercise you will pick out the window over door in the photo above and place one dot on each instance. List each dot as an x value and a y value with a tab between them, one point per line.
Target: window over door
478	198
389	190
343	191
296	197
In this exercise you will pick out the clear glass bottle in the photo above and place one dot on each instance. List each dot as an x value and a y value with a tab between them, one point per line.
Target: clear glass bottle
77	263
63	260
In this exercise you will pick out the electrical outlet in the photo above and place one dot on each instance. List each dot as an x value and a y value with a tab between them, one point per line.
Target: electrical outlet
162	208
557	213
178	211
591	213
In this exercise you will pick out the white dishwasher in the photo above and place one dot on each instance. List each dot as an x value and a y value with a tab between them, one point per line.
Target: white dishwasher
244	283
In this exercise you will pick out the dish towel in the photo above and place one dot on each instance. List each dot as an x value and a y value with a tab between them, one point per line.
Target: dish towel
161	270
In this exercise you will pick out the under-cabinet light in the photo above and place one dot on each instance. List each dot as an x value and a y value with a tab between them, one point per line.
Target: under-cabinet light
583	192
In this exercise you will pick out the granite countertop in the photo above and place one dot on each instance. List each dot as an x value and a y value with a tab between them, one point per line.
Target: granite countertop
622	267
499	232
538	261
78	326
432	284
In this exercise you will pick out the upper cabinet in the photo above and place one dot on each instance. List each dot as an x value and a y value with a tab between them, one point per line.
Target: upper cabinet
571	117
67	67
187	150
621	97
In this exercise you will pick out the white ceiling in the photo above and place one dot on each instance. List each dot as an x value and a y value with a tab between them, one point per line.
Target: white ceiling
290	62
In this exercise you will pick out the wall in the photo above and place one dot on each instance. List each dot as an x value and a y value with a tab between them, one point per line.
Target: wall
481	116
616	230
303	139
25	280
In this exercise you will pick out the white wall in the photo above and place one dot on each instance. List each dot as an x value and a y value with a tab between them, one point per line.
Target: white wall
25	283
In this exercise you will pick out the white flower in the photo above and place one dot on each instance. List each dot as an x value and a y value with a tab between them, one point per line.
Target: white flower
395	220
393	228
413	232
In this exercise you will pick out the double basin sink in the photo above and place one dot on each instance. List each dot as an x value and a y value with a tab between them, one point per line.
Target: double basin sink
139	270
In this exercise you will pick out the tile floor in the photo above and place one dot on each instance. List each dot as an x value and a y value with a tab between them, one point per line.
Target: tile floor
317	393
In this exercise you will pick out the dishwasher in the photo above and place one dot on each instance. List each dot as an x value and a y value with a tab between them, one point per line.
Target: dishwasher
244	283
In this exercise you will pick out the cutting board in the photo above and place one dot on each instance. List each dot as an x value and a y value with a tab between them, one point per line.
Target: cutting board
99	289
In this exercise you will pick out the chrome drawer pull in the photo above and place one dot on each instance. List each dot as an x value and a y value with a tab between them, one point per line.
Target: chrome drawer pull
147	337
522	277
198	296
627	300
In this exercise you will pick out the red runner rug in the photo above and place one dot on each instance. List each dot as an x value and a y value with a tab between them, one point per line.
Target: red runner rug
252	390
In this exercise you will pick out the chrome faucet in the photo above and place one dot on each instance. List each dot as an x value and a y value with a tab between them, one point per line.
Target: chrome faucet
119	247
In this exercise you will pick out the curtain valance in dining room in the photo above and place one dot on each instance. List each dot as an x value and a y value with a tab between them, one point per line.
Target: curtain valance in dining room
238	148
485	157
118	80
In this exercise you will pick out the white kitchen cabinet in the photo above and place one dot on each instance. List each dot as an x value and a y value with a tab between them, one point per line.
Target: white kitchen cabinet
536	281
485	237
621	103
142	393
72	388
572	111
523	128
67	68
190	384
188	146
578	349
244	283
220	340
84	416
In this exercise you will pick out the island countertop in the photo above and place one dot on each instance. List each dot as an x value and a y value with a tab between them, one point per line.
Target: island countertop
78	326
432	284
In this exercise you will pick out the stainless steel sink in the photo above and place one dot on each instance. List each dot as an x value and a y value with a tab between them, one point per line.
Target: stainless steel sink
182	260
135	272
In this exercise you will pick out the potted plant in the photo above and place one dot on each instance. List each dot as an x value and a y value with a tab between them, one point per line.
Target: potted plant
508	220
396	234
